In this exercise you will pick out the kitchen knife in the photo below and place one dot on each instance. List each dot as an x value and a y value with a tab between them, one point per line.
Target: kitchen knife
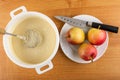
82	23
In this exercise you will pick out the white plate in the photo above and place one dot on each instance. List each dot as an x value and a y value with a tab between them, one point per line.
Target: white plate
71	50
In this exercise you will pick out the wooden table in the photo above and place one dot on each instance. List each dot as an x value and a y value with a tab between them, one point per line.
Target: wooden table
106	68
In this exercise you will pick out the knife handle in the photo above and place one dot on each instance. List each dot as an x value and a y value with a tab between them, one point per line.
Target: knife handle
105	27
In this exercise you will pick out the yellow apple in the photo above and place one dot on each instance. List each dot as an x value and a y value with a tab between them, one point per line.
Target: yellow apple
75	35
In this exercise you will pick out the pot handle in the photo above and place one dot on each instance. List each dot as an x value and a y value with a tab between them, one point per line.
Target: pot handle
38	68
22	8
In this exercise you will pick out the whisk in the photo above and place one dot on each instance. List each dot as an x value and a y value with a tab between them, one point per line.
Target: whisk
30	38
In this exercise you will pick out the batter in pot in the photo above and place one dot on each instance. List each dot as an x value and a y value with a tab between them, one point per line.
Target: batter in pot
46	36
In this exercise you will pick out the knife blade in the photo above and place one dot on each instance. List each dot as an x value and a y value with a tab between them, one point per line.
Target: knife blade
82	23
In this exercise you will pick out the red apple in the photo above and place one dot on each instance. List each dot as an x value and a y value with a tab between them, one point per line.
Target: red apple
87	52
96	36
75	35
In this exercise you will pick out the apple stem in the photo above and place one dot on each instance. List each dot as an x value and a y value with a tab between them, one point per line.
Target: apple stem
91	59
99	27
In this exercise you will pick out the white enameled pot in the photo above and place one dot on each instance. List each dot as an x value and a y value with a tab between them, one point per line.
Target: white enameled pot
16	18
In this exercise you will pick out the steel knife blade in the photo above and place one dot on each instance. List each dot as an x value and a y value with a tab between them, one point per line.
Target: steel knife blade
82	23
